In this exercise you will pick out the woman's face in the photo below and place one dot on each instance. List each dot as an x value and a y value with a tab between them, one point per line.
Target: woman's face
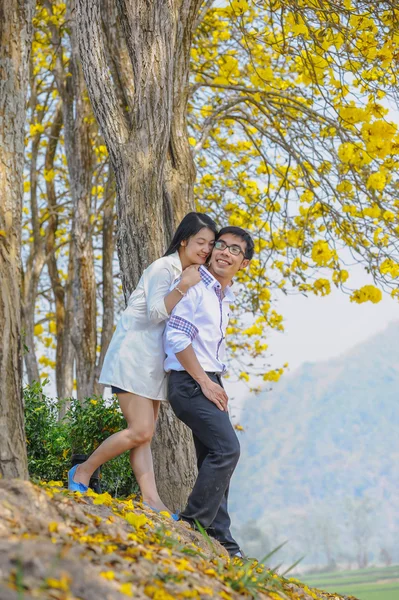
198	247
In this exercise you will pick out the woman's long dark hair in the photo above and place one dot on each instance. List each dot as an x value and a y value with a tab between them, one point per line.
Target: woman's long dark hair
192	223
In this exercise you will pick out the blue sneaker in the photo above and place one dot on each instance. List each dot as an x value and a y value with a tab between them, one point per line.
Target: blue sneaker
75	486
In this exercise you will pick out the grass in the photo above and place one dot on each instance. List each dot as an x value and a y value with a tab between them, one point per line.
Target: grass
375	583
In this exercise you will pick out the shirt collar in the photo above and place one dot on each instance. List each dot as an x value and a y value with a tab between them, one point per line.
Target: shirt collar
211	282
175	261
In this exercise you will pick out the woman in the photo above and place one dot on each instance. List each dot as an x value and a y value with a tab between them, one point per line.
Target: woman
133	365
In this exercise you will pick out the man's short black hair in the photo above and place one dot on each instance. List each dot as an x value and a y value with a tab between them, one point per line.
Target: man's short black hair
241	233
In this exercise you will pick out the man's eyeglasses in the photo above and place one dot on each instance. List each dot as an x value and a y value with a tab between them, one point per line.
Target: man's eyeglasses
233	248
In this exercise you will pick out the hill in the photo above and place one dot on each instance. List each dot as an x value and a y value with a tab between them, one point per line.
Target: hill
320	454
58	545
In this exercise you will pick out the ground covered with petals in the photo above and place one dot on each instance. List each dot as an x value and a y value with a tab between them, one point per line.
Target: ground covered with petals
58	545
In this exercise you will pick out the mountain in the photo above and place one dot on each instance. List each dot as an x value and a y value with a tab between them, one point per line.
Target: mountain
325	439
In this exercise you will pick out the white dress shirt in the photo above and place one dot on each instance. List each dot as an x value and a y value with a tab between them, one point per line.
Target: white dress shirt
135	357
200	319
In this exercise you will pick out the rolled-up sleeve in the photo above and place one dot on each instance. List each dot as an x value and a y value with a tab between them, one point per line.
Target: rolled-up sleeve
181	328
157	281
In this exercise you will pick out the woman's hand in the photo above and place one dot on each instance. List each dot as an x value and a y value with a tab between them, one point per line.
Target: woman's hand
215	393
190	277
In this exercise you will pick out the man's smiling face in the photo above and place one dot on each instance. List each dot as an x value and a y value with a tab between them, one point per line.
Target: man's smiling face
223	262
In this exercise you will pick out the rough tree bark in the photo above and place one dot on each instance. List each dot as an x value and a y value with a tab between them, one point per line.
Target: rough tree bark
150	157
15	43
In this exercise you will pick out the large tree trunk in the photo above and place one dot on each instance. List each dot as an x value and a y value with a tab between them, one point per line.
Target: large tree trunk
84	334
150	157
174	459
15	42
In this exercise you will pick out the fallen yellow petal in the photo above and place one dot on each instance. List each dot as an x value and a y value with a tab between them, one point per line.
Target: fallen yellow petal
127	589
136	521
53	527
110	575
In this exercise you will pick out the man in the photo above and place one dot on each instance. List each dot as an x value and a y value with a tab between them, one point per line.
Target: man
195	347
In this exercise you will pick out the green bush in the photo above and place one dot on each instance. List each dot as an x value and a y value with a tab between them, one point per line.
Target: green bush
49	451
51	442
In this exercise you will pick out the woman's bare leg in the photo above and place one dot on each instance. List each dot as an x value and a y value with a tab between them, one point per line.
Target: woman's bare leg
139	415
143	469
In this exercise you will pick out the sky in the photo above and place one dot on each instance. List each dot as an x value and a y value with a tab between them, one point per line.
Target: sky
318	328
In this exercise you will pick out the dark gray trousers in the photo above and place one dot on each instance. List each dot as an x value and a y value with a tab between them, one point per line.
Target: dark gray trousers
218	451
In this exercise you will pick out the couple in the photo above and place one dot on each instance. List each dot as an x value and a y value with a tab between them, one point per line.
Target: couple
194	301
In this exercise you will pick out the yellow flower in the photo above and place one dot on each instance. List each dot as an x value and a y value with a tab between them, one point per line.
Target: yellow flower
345	187
322	286
103	499
53	527
127	589
273	375
376	181
59	584
321	253
388	215
389	267
49	174
340	276
239	5
157	593
35	128
38	329
137	521
110	575
166	514
373	211
367	293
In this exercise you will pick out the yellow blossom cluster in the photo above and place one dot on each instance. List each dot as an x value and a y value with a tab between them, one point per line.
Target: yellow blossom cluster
303	152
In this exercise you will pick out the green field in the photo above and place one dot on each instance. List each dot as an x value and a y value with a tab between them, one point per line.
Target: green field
366	584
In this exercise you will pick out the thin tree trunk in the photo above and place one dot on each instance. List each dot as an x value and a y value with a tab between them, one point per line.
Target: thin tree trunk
108	279
84	334
65	374
15	43
76	115
153	168
62	294
34	266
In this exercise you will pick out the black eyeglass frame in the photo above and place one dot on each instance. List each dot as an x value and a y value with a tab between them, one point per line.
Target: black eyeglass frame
241	251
